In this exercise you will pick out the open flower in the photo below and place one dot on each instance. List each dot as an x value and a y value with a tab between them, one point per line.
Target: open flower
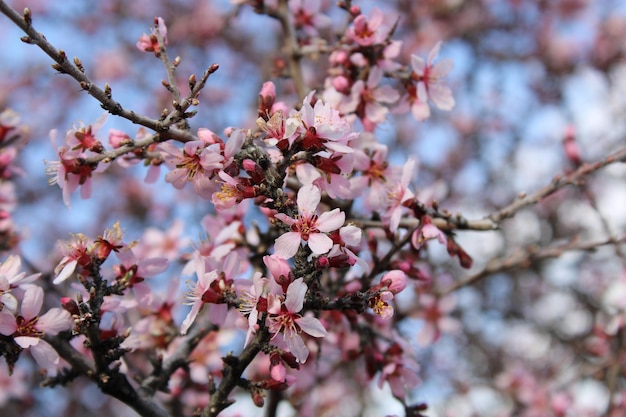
308	226
286	320
428	76
197	291
29	328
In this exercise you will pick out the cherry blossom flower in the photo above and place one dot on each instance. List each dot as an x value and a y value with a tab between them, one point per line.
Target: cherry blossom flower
133	271
71	171
150	43
9	120
428	76
194	163
435	313
11	277
380	303
308	226
307	16
197	291
367	98
322	126
76	253
366	31
285	318
397	195
29	328
426	231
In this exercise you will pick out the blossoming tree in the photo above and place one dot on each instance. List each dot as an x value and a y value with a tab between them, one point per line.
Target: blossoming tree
352	229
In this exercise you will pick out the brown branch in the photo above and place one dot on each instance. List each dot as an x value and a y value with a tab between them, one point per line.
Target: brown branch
234	367
557	183
162	373
76	71
526	256
294	55
115	384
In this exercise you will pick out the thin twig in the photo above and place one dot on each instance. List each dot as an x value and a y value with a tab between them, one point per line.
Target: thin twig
527	256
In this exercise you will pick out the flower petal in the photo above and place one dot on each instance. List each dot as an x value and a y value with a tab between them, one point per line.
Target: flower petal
295	295
309	197
287	245
312	326
319	243
331	220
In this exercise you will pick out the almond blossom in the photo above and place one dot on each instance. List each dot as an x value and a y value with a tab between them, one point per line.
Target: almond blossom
397	195
29	328
150	43
308	226
11	277
197	291
285	318
428	76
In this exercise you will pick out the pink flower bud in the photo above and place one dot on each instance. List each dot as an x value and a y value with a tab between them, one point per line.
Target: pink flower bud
268	90
70	306
395	280
341	84
117	138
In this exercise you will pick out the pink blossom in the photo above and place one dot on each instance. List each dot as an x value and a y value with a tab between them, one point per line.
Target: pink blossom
395	280
368	98
150	43
9	121
76	253
307	16
285	319
197	291
366	31
397	195
194	163
70	171
29	328
435	313
133	271
11	277
428	76
308	226
426	231
322	126
380	303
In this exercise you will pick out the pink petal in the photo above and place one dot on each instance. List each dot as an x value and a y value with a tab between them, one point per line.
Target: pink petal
418	64
8	326
442	68
296	346
441	95
311	326
309	197
45	356
153	266
295	295
32	301
287	245
195	309
54	321
331	220
319	243
66	272
434	53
